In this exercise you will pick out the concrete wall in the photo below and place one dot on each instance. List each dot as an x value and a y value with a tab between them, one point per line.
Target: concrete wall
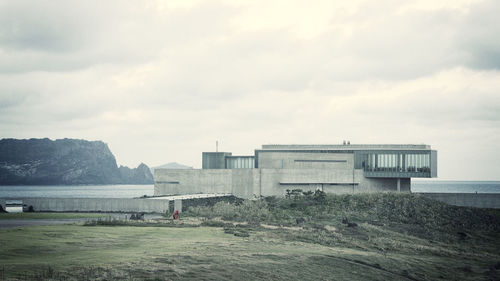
277	171
96	204
245	183
383	184
277	181
242	183
183	181
214	160
478	200
250	183
292	160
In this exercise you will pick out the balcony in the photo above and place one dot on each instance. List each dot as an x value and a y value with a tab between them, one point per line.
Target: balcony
411	172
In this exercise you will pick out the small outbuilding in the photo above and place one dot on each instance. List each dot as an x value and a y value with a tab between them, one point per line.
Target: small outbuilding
14	206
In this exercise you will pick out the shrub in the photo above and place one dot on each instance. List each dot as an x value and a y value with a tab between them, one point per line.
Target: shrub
368	207
249	210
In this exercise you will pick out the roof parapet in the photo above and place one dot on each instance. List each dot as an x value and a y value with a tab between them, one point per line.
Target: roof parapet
345	147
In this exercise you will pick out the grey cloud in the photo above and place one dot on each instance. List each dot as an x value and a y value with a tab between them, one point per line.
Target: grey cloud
169	83
478	36
71	35
434	104
39	25
396	47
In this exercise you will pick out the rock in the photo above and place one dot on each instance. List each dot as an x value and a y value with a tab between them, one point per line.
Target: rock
64	161
349	224
139	175
462	235
300	220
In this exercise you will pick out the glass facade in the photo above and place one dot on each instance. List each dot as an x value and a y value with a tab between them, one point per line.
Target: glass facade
397	162
235	162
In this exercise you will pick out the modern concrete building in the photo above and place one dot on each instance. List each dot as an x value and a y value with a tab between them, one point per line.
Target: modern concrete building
275	168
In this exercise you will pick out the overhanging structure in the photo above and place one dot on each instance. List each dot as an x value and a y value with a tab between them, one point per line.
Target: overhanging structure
275	168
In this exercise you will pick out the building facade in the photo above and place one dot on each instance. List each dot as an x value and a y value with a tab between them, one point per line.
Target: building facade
275	168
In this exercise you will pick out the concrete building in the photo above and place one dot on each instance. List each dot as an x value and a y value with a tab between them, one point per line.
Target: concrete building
275	168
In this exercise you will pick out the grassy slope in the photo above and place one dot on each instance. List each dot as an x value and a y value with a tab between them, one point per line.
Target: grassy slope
178	253
388	244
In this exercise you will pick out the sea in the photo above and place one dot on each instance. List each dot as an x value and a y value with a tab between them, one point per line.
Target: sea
132	191
449	186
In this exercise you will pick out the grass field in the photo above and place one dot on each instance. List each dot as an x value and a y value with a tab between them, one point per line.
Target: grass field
271	248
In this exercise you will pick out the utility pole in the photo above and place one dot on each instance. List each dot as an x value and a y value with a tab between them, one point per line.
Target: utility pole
216	146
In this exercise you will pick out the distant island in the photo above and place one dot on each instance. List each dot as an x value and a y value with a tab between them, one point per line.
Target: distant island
64	161
171	165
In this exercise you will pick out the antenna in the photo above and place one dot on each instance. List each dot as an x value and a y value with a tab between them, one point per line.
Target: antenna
216	146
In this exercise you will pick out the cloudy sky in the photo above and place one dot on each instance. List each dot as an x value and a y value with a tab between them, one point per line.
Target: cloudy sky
161	81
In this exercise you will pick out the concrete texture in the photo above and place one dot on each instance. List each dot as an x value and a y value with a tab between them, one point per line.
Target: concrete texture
172	181
295	160
214	160
478	200
95	205
331	168
178	205
251	183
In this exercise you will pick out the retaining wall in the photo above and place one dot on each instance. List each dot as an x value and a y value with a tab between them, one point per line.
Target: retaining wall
478	200
95	204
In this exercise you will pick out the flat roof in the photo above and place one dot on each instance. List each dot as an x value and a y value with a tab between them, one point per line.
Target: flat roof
189	196
346	147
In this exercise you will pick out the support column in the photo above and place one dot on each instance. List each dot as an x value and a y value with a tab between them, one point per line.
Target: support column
178	205
399	185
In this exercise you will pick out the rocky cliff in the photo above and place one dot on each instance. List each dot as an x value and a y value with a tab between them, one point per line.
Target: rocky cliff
140	175
64	161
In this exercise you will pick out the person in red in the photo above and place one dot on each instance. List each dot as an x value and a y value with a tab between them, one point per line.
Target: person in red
176	215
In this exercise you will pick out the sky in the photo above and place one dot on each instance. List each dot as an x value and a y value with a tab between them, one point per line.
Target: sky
162	81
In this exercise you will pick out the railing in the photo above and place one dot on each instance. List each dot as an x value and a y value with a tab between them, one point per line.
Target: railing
396	174
398	169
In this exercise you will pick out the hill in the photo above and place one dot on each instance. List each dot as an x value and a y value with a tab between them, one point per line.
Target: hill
171	165
64	161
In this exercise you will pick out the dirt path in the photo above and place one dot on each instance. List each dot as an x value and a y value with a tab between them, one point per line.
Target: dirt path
10	223
30	222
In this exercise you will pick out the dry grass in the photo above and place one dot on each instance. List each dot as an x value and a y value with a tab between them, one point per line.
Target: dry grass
383	246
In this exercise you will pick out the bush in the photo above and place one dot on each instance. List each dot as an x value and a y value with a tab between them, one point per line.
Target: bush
378	208
249	210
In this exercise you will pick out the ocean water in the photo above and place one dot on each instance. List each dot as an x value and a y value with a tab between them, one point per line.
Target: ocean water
75	191
131	191
455	186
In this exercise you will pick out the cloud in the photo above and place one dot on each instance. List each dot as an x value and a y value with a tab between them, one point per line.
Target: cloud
478	36
160	81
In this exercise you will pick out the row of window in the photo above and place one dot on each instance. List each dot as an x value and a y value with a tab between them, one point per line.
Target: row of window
240	162
398	162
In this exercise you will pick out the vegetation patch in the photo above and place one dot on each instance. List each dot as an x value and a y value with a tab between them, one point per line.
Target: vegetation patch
306	236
